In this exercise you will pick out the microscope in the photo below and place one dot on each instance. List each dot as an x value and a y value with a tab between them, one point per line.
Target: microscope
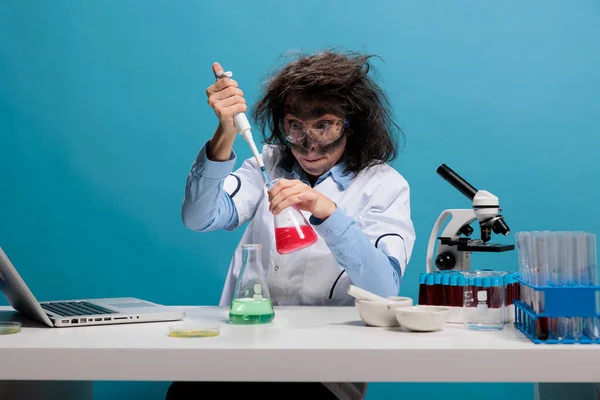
455	246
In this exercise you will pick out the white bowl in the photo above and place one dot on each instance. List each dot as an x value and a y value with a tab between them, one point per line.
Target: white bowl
422	318
374	313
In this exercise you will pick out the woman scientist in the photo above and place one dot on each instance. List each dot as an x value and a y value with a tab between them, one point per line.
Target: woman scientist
331	136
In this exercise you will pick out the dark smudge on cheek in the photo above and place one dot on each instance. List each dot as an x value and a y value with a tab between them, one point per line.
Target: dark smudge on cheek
331	151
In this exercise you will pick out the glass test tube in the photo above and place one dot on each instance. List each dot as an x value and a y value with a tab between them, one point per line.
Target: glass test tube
593	274
522	246
539	253
576	322
563	246
553	277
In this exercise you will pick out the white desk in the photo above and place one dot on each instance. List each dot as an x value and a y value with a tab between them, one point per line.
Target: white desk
302	344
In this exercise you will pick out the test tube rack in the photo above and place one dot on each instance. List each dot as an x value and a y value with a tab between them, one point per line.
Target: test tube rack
440	284
559	302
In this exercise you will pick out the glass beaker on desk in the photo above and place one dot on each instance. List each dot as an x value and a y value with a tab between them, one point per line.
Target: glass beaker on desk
251	302
484	303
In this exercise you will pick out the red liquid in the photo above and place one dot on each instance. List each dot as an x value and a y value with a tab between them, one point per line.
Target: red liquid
495	299
455	296
541	324
439	294
445	295
430	290
541	328
423	294
287	239
445	290
515	293
451	296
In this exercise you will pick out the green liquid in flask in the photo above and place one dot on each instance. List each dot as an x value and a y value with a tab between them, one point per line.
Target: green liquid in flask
251	311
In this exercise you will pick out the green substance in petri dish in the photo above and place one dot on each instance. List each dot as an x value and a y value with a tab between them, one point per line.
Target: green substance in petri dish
251	312
10	328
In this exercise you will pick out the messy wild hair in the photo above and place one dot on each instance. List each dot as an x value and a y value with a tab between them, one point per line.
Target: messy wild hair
331	82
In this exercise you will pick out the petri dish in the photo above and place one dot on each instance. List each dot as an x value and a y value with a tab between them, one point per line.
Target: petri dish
8	328
193	330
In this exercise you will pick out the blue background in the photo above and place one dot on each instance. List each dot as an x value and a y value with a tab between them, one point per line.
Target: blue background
102	111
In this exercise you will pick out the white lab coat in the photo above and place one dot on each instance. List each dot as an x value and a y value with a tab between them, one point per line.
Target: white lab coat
377	198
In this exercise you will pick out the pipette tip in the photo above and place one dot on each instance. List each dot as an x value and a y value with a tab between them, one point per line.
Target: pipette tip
266	177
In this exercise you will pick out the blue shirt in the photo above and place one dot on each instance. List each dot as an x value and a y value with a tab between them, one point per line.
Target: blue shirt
207	207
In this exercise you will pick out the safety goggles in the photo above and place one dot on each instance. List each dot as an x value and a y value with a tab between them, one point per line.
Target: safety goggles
321	132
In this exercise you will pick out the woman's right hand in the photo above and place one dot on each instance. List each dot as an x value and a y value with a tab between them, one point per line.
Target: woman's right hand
226	99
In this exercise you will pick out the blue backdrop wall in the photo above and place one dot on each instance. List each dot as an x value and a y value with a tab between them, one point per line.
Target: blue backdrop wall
102	111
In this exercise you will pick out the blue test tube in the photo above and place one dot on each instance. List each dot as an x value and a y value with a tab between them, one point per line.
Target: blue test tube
445	289
430	289
437	284
508	284
460	283
514	288
454	292
422	289
497	291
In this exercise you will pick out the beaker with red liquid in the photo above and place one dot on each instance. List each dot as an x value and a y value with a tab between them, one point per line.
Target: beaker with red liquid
292	231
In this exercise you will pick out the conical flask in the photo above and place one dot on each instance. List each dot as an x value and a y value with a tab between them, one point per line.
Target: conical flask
251	302
292	231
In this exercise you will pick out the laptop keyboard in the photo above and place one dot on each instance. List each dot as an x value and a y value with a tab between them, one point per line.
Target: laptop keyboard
73	308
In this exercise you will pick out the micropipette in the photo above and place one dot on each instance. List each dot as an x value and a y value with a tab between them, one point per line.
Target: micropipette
241	122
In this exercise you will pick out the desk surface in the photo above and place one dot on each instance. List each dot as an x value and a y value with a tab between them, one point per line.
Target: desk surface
302	344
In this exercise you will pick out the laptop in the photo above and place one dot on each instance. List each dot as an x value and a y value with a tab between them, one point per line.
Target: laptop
71	313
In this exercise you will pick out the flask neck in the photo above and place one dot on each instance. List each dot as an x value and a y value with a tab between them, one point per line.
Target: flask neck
251	253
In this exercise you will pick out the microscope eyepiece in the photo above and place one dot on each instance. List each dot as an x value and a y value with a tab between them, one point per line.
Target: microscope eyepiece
457	181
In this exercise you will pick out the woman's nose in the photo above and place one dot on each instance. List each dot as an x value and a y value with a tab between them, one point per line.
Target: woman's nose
310	143
311	146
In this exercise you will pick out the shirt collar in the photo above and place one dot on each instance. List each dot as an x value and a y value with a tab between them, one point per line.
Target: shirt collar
338	173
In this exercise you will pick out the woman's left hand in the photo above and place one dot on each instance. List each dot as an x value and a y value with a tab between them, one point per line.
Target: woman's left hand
287	193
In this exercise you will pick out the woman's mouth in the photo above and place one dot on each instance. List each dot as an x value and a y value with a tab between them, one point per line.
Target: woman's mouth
312	160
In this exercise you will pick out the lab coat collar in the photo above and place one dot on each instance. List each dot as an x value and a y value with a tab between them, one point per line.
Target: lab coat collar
338	173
